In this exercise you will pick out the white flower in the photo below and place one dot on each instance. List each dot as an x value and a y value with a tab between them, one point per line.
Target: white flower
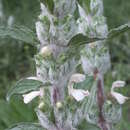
30	96
119	97
78	94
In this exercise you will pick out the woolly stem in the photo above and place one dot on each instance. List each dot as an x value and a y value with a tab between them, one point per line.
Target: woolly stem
101	99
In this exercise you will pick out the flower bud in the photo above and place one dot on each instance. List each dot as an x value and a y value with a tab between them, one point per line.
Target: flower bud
46	51
41	105
59	105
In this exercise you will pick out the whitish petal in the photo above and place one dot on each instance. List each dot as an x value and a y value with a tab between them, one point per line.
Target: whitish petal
119	97
79	94
34	78
30	96
76	78
118	84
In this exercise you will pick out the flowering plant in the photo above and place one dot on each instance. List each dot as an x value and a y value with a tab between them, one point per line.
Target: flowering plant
71	62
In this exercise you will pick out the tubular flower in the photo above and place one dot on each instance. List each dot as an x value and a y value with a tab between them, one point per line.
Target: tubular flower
119	97
30	96
78	94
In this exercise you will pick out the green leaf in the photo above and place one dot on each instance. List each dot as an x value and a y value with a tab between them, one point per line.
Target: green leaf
21	33
24	86
119	30
80	39
26	126
15	111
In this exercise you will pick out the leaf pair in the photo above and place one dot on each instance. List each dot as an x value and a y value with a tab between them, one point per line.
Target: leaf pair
81	39
26	35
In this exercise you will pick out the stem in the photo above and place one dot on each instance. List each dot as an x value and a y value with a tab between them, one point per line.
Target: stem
101	99
55	95
55	99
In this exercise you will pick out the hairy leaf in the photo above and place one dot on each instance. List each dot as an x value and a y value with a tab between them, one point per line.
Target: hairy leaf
21	33
12	112
80	39
119	30
26	126
24	86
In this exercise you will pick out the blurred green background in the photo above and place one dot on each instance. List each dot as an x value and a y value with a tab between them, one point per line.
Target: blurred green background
16	58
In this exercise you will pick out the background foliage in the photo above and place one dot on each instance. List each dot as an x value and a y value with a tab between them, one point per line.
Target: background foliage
16	58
